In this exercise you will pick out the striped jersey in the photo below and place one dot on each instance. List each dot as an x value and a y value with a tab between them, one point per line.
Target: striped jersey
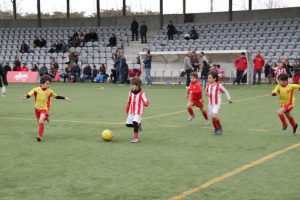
286	94
42	97
214	91
279	71
136	103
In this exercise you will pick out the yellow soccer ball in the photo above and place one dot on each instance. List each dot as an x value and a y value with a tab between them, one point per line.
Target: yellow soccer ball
107	135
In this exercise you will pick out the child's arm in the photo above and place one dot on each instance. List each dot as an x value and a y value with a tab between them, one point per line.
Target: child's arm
223	89
128	103
275	91
145	100
28	95
53	94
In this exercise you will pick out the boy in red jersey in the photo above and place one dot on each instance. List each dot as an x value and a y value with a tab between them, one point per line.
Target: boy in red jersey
214	90
42	104
286	94
195	91
135	105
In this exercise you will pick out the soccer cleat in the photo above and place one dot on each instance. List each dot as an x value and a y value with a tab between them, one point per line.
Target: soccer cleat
284	128
47	118
206	122
39	139
295	128
191	117
135	140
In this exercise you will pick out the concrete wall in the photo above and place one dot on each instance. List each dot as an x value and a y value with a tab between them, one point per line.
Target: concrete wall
153	22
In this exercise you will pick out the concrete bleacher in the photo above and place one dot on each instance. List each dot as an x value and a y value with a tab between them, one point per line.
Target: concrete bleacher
273	38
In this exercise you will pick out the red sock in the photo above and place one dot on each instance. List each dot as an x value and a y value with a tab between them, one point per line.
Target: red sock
205	115
190	110
214	123
41	130
135	135
218	122
292	121
282	118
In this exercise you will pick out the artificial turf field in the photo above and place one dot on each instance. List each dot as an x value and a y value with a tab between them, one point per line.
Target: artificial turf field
174	156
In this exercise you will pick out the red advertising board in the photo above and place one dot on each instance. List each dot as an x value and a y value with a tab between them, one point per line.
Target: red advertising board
22	77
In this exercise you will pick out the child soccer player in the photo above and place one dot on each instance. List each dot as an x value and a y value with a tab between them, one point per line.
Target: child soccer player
42	104
286	94
214	90
135	105
195	91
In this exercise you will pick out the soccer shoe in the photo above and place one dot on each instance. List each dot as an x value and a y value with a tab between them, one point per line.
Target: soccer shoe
284	128
295	128
47	118
206	122
39	139
135	140
191	117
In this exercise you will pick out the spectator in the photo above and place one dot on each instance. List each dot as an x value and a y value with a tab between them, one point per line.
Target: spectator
36	42
17	64
24	68
241	66
187	36
94	36
171	30
267	71
193	33
203	57
195	61
73	57
221	74
134	29
87	73
43	42
35	68
288	68
121	67
143	31
188	68
24	47
147	63
101	76
296	69
67	73
204	73
112	41
258	62
94	73
53	68
43	70
81	39
75	73
272	72
280	70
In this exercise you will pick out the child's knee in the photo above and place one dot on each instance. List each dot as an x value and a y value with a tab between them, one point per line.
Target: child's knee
41	121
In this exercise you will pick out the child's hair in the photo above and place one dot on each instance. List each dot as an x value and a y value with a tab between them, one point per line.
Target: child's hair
44	79
218	66
136	81
214	75
283	77
194	74
243	54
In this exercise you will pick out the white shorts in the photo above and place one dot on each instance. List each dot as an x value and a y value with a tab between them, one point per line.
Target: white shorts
133	118
213	109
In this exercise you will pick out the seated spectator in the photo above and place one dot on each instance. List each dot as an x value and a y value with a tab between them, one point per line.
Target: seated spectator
101	77
24	68
193	33
67	73
81	39
73	57
16	68
186	36
43	42
75	73
94	36
112	41
43	70
36	42
35	68
24	47
87	73
94	73
17	63
53	47
53	68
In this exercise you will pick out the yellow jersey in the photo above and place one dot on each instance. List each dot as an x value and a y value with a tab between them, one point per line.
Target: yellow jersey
42	97
286	94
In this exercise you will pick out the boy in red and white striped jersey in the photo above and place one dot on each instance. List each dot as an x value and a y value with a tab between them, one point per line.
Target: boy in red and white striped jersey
214	90
280	70
135	105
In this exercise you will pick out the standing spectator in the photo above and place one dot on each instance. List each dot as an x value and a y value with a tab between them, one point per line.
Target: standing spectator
204	73
171	30
280	70
258	62
143	31
35	68
267	71
24	68
134	29
221	74
195	61
24	47
87	73
272	72
203	57
43	70
241	66
193	33
121	66
3	77
147	64
112	41
288	68
188	68
17	64
296	69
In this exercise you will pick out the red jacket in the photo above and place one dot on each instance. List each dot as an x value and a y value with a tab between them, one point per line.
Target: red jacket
196	90
259	62
24	69
241	63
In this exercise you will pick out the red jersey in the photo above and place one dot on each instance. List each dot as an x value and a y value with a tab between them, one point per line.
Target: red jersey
136	103
259	62
196	90
241	63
